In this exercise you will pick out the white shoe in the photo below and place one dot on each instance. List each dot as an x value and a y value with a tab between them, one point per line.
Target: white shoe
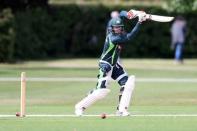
118	113
124	113
78	112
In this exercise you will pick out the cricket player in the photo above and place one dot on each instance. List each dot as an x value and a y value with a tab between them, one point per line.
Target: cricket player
110	67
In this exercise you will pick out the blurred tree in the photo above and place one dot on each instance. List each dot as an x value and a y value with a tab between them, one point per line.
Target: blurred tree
195	5
7	35
182	6
22	4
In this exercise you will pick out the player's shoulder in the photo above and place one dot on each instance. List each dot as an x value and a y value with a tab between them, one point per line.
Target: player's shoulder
112	36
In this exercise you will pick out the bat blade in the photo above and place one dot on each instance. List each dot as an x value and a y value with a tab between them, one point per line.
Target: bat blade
160	18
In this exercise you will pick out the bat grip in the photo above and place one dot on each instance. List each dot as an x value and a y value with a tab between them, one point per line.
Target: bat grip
148	16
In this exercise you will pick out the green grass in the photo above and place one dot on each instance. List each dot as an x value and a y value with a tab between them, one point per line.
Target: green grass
96	124
60	97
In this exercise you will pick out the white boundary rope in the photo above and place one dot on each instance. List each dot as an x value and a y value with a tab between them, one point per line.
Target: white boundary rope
110	115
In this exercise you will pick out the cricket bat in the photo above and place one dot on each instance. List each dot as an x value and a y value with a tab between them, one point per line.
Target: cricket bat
158	18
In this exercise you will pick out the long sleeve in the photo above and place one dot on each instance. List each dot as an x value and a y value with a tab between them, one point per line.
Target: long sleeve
134	31
123	14
119	39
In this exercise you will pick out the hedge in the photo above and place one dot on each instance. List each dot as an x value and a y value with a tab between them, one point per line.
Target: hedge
7	36
79	31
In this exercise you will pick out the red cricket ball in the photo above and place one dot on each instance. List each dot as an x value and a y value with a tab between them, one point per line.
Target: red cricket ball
103	115
18	114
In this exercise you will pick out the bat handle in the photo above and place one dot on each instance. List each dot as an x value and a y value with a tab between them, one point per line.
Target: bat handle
148	16
134	13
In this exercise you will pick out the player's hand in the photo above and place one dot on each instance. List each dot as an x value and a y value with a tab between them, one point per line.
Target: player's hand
131	14
142	16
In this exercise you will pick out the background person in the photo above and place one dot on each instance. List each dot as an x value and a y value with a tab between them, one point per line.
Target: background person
178	31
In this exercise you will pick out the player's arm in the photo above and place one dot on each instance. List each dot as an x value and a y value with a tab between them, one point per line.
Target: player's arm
134	31
126	14
118	39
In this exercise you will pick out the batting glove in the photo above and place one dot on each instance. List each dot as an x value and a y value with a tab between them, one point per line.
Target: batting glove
132	14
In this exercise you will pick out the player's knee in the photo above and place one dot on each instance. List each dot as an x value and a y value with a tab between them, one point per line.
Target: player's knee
130	83
105	68
123	81
102	84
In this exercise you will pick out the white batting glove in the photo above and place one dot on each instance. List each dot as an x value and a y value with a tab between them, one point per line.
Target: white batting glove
132	14
142	16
